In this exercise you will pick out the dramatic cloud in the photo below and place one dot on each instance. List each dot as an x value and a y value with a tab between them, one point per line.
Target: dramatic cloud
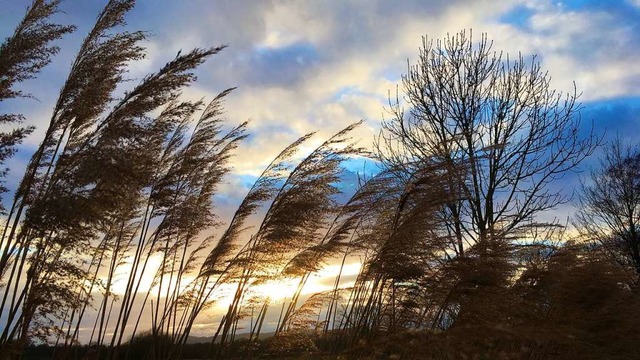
309	65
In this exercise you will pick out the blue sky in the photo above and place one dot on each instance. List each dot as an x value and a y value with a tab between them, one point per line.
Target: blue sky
304	66
310	65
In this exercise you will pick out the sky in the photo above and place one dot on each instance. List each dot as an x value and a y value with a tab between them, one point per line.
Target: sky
304	66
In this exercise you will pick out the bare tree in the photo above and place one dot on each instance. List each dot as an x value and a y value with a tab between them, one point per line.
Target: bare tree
500	132
610	204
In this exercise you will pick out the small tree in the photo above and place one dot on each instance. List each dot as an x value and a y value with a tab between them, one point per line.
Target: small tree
496	128
610	204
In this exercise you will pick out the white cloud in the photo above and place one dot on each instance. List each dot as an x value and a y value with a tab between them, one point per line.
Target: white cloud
358	50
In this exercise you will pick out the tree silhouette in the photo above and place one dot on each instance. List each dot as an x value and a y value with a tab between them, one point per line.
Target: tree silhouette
610	204
497	128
